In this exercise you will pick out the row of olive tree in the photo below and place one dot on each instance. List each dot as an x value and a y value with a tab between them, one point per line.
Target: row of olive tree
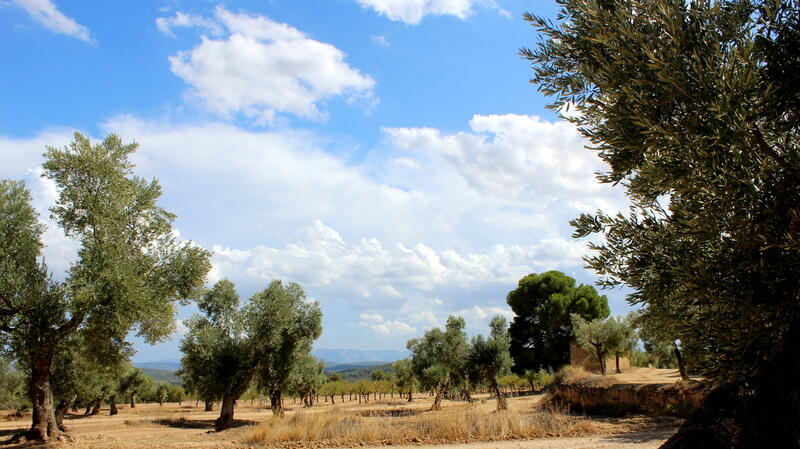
446	359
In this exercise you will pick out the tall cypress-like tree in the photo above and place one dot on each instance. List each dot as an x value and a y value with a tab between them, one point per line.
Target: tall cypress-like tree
695	107
130	270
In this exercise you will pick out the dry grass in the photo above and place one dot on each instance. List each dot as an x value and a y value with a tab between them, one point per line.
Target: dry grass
576	375
344	427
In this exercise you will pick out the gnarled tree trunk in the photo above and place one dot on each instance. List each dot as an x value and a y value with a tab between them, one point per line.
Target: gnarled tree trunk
97	404
225	419
275	402
209	406
437	400
112	402
601	357
502	404
681	361
61	410
133	400
44	425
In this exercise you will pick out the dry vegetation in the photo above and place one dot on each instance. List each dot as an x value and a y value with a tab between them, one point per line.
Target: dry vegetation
456	425
392	421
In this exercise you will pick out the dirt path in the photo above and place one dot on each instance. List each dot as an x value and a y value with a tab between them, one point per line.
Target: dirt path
638	440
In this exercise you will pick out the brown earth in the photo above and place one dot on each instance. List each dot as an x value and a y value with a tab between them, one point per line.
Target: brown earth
186	426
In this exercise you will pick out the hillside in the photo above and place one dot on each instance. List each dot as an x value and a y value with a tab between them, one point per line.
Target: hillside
160	375
359	371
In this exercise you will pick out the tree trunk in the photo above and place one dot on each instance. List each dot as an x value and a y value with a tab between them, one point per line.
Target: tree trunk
225	413
196	402
410	396
97	404
333	399
44	425
437	401
88	409
133	400
502	404
61	410
209	406
761	410
276	403
681	361
112	402
601	358
616	356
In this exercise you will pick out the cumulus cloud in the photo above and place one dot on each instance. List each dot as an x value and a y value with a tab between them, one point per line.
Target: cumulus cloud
415	232
412	12
263	67
384	327
369	268
47	13
514	157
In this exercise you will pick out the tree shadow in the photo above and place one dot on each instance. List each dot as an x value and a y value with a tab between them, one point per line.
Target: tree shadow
183	423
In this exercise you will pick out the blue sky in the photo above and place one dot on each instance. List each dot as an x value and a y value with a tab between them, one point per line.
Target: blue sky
389	155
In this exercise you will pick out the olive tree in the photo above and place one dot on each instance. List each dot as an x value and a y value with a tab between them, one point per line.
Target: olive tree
228	346
406	380
491	358
130	271
438	358
695	107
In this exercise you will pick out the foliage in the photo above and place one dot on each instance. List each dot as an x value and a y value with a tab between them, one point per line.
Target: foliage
439	358
357	372
307	377
694	107
130	270
490	358
541	331
12	386
405	379
596	337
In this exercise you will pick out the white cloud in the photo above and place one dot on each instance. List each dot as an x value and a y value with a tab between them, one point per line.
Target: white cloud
412	12
180	329
371	318
47	13
513	156
264	67
180	20
385	327
319	257
414	232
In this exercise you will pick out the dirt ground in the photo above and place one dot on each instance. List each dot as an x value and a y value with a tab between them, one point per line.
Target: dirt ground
186	426
645	376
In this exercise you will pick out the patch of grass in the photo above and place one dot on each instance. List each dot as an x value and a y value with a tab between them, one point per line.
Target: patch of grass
576	375
344	427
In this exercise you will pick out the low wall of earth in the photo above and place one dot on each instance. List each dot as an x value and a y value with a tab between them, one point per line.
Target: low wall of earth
619	399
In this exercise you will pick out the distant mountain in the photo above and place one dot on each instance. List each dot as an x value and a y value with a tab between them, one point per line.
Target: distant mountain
356	371
161	375
164	365
351	366
342	356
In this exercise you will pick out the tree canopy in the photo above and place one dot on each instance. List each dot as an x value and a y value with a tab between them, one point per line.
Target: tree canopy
230	345
541	331
694	106
130	272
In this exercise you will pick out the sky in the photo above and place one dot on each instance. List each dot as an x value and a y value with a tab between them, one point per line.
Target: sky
390	156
